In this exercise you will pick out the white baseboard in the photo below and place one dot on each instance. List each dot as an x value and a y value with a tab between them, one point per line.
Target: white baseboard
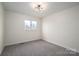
20	42
63	46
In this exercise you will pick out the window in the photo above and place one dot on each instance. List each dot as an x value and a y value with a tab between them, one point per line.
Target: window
30	25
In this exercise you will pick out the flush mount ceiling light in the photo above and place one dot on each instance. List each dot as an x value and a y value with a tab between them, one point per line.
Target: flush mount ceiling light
39	6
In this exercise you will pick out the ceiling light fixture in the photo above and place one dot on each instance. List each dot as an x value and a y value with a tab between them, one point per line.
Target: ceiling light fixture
39	6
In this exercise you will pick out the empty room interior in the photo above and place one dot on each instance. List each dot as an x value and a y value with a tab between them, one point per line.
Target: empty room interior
39	28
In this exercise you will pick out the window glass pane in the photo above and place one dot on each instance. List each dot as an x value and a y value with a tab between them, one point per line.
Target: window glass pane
27	24
34	24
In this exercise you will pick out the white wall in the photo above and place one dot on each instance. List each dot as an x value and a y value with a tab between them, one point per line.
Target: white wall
63	28
14	28
1	28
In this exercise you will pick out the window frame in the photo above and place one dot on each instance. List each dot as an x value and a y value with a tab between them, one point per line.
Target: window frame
31	26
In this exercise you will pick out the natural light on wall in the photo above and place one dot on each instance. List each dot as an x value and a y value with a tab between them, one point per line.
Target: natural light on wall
30	25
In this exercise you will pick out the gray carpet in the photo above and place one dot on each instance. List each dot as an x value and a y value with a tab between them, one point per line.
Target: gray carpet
37	48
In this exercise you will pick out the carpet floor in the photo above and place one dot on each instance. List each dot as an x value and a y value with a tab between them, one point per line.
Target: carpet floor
37	48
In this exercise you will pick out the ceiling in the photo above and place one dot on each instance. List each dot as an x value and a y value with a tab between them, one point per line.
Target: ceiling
25	7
